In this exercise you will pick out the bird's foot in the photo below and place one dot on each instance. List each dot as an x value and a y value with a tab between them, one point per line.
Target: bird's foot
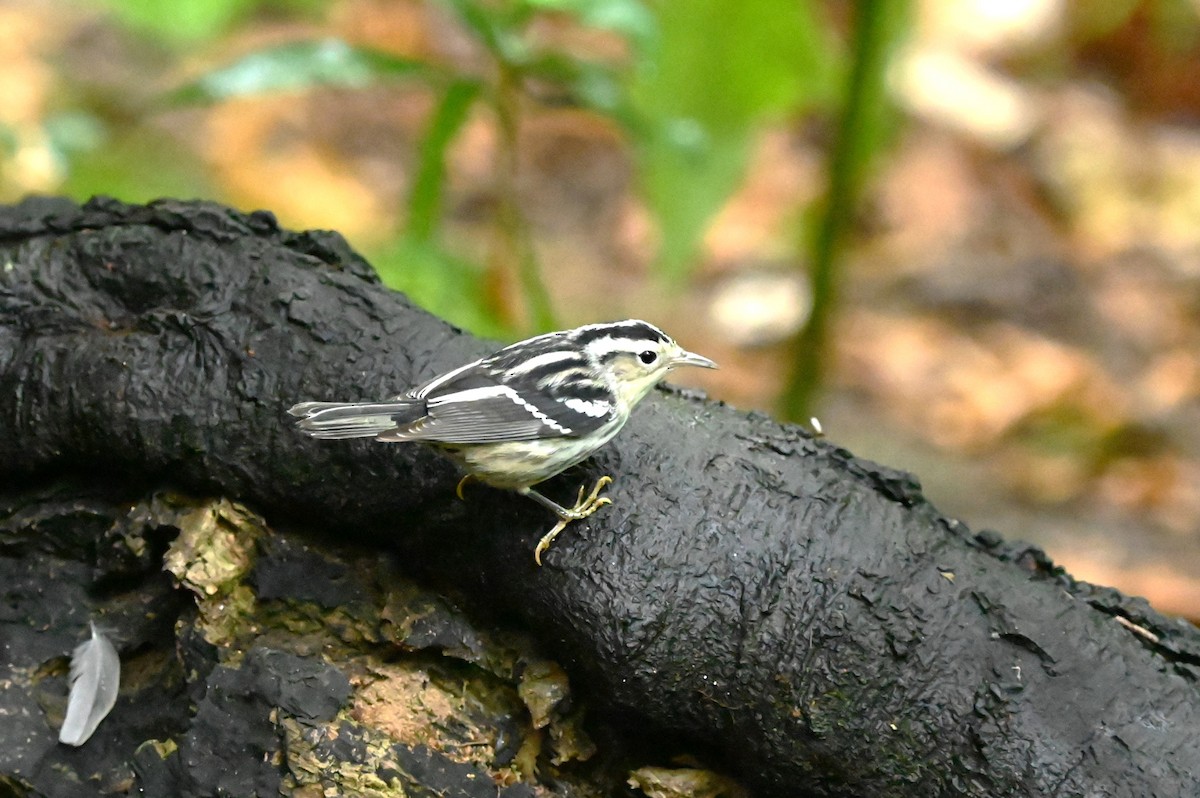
584	506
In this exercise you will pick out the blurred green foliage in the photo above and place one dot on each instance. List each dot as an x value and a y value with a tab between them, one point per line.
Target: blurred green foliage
425	200
719	72
298	66
697	84
441	282
141	166
863	127
190	21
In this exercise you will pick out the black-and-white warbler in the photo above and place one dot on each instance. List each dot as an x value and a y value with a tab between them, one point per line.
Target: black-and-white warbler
525	413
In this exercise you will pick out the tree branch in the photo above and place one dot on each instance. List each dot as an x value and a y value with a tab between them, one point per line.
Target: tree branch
805	614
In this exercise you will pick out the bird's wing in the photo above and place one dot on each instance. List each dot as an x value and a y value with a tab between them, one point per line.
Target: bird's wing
482	403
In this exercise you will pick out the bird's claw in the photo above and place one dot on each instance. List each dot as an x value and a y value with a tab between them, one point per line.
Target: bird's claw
594	501
584	506
461	484
548	538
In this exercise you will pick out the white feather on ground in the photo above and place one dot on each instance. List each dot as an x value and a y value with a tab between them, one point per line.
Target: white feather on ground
95	677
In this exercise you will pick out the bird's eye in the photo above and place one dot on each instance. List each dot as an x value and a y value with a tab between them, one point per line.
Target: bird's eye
648	357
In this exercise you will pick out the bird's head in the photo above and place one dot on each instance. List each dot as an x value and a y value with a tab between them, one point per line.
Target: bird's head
636	355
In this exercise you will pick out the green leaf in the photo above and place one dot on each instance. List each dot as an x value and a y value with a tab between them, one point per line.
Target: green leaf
299	66
719	72
182	22
726	64
587	83
186	21
425	199
686	177
497	26
442	283
74	131
630	18
137	164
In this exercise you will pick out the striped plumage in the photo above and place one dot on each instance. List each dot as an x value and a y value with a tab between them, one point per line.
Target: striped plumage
524	413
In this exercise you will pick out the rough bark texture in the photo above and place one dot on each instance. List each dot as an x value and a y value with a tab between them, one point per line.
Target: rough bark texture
805	615
268	665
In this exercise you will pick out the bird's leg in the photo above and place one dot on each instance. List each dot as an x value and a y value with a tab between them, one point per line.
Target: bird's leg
584	506
462	483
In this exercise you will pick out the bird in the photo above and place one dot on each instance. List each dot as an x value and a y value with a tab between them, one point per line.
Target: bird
523	414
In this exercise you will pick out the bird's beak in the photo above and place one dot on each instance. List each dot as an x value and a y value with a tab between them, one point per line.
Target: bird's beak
692	359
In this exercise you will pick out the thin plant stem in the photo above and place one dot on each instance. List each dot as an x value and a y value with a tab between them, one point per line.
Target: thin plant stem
853	141
513	253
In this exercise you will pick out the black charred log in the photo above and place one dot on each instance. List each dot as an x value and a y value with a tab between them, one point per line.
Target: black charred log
804	614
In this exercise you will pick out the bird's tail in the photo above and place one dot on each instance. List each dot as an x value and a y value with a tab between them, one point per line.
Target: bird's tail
338	420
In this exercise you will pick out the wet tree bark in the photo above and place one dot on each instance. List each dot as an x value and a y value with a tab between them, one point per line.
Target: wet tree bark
804	617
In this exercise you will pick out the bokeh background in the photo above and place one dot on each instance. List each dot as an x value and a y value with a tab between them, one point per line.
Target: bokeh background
963	234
